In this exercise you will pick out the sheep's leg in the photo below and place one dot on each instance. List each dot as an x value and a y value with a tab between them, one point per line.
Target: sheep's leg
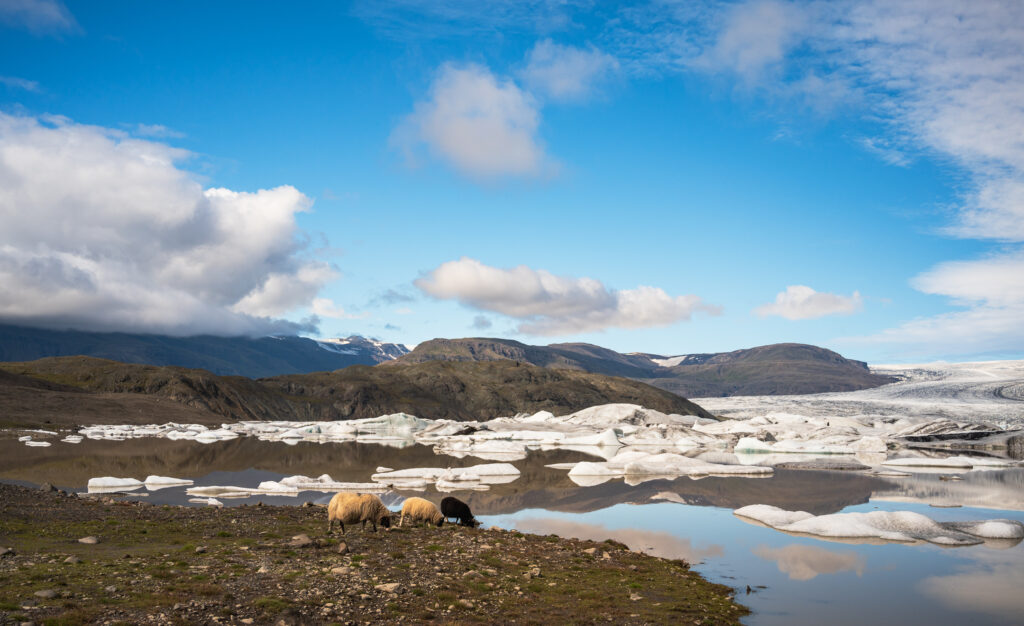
330	526
401	520
374	524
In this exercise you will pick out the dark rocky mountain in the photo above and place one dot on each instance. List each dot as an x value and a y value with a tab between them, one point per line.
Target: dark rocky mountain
227	356
67	389
785	368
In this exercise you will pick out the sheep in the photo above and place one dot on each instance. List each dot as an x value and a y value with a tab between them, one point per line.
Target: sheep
453	507
420	510
357	507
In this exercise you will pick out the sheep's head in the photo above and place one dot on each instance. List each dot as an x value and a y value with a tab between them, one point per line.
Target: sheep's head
474	522
439	522
385	521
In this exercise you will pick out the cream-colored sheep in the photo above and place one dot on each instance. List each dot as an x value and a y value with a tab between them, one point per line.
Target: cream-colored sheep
349	508
420	510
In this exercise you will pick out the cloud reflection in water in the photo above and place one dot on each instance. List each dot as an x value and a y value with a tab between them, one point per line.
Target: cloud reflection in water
656	543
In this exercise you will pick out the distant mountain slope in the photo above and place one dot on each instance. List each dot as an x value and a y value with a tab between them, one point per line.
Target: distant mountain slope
229	356
785	368
461	391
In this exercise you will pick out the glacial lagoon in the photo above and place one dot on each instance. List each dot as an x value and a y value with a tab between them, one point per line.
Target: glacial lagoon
791	578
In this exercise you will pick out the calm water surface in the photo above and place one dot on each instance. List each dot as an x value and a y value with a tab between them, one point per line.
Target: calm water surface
793	579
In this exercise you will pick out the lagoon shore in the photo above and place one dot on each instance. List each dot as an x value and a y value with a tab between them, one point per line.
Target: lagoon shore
276	564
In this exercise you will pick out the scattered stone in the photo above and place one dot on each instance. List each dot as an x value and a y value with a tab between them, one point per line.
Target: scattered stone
466	603
262	570
247	620
308	505
47	487
200	549
6	552
342	548
590	551
300	541
46	594
388	587
71	560
90	540
606	556
110	589
635	596
341	570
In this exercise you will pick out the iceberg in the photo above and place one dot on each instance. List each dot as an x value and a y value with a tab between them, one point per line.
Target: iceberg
107	484
895	526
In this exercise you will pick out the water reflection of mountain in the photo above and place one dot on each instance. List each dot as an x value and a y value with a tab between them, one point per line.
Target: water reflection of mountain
538	487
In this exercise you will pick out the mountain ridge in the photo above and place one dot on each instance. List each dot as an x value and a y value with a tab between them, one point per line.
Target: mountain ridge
784	368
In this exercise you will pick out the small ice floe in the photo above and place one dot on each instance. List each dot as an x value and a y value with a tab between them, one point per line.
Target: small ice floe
38	444
73	439
208	501
154	483
950	463
896	526
25	438
110	484
476	477
639	464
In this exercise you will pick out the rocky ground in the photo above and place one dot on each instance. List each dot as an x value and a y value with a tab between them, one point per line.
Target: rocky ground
68	560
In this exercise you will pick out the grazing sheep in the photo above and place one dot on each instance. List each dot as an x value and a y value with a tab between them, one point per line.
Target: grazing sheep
357	507
420	510
453	507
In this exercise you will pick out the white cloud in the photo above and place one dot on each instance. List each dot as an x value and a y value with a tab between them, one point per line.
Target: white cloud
19	83
565	72
39	17
483	126
325	307
547	304
991	289
102	231
156	131
753	38
799	302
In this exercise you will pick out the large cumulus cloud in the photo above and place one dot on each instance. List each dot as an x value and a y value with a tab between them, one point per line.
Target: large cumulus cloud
102	231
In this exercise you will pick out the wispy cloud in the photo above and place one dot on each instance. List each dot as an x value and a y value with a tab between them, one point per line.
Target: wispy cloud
799	302
566	73
546	304
991	292
14	82
102	231
40	17
156	131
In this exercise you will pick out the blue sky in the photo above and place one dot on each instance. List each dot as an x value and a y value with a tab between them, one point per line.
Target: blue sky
648	177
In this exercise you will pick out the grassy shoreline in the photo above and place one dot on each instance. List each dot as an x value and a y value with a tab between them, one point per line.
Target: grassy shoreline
166	564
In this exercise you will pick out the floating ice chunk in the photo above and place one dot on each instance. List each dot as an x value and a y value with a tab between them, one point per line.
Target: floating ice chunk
587	468
274	487
209	501
900	526
953	462
25	438
449	486
771	515
110	481
749	444
382	469
210	436
991	529
869	444
107	484
154	483
221	491
38	444
73	439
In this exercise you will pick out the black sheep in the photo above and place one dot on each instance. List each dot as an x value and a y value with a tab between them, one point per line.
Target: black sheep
453	507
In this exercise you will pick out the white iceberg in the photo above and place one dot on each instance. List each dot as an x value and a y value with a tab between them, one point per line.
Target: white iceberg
897	526
107	484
